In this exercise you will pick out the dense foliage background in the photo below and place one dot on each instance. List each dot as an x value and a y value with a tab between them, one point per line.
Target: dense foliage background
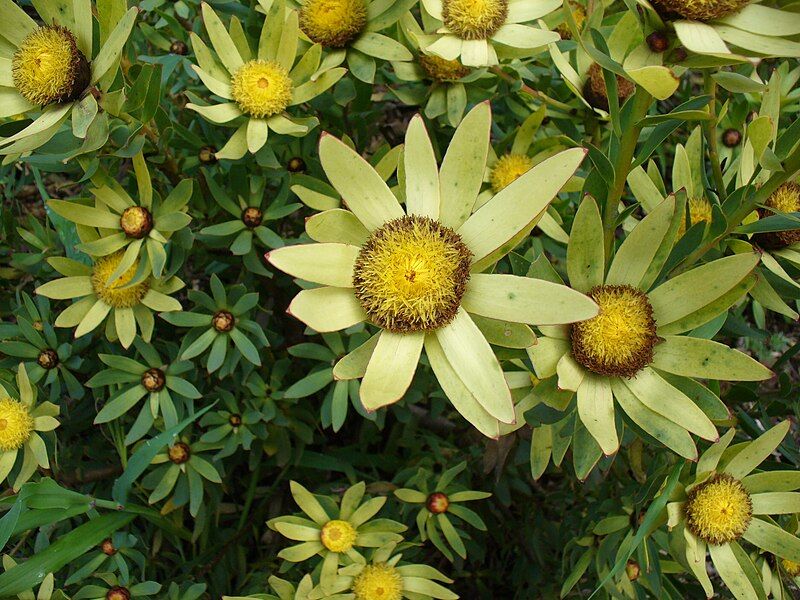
181	423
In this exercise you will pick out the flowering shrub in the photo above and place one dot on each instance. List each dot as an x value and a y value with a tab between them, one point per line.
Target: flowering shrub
385	299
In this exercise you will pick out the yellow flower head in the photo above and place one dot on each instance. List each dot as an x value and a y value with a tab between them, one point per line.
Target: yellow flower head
791	567
579	14
338	536
333	23
474	19
699	210
411	274
508	168
594	90
117	293
136	222
48	67
261	88
719	510
703	10
785	199
619	341
16	424
378	582
441	69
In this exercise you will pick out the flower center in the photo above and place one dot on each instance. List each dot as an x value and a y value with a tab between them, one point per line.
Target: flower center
223	321
118	593
252	217
785	199
179	453
16	424
411	275
594	90
153	380
441	69
474	19
703	10
261	88
508	168
136	222
235	420
107	546
333	23
47	359
337	536
207	155
619	341
719	510
437	503
699	210
791	567
579	14
296	165
731	138
48	67
378	582
118	293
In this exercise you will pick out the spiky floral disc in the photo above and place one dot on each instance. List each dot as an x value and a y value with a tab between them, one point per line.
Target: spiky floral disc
118	293
411	274
703	10
441	69
333	23
338	536
48	66
16	424
474	19
719	510
508	168
378	582
594	90
785	199
261	88
620	340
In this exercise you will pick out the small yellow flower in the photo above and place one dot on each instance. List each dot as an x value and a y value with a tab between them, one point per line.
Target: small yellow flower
791	567
785	199
703	10
508	169
474	19
579	14
118	293
261	88
378	582
338	536
699	210
411	274
441	69
333	23
719	510
620	340
16	424
48	67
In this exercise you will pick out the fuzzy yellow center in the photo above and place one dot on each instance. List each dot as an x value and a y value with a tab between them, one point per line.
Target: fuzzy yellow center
333	23
474	19
261	88
411	275
791	567
378	582
48	67
119	293
719	510
699	211
579	14
338	536
703	10
785	199
16	424
508	168
618	341
441	69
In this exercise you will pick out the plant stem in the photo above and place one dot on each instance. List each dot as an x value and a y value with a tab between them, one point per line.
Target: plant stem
710	132
534	93
622	165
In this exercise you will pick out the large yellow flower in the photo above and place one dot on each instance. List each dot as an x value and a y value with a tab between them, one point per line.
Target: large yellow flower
418	273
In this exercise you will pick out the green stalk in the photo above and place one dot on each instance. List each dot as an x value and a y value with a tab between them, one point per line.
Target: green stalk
710	133
622	165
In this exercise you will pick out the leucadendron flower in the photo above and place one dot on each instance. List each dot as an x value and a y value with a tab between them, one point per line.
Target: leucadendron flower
417	273
129	298
385	578
725	502
336	531
259	86
470	30
21	420
632	355
52	68
116	222
348	29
